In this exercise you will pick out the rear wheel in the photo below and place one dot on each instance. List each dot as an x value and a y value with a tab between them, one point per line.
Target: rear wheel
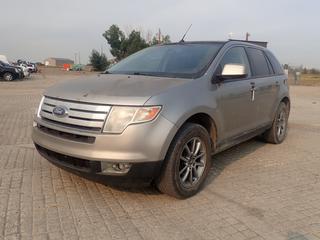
187	163
278	132
8	76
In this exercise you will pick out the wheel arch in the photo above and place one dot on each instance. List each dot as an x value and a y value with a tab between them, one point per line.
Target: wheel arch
206	121
286	100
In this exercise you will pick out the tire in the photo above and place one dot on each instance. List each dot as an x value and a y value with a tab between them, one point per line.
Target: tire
8	77
278	132
178	177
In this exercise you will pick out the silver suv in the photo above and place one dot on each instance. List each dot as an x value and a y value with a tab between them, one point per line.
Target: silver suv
159	115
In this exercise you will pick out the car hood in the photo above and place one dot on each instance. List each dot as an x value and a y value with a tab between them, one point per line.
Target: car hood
11	68
113	89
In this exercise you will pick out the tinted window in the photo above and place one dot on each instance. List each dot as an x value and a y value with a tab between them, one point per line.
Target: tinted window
236	55
176	60
275	63
259	62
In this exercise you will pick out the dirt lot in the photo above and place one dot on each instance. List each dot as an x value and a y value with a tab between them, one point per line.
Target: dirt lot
254	191
306	79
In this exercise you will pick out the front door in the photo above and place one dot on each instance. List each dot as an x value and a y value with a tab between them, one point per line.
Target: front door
235	98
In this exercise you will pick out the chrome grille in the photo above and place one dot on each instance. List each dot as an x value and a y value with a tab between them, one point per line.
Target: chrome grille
80	115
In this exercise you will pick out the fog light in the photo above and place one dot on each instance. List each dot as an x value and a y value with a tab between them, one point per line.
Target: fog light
121	166
115	168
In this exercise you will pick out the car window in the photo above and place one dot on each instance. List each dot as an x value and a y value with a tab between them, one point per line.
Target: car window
271	70
173	60
236	55
275	63
259	62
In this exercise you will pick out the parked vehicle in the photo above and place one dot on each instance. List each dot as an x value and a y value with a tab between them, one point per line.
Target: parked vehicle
32	67
9	72
160	114
24	68
77	67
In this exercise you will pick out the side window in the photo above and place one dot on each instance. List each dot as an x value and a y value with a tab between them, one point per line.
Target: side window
236	55
259	62
275	63
271	70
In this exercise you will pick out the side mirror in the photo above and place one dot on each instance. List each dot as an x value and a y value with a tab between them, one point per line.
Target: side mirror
232	71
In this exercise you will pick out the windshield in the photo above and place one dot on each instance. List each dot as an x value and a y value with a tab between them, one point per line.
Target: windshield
176	60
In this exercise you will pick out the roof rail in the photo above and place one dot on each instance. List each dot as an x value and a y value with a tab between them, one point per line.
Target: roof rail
259	43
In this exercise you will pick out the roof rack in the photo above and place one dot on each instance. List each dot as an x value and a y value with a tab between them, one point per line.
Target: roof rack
259	43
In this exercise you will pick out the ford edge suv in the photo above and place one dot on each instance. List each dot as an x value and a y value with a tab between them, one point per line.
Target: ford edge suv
159	115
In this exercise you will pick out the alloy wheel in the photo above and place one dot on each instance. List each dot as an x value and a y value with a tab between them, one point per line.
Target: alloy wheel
192	162
281	124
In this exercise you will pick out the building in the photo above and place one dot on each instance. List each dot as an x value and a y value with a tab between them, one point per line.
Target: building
57	62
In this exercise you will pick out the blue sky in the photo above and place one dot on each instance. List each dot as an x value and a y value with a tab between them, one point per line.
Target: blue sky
37	29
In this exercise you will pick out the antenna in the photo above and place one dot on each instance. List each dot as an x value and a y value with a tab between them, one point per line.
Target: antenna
182	39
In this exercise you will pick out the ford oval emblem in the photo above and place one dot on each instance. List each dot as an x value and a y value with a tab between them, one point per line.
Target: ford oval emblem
60	111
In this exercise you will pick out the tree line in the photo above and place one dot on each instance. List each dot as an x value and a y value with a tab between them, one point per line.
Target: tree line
122	45
301	69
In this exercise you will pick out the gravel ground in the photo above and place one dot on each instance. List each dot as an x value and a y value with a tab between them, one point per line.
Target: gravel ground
254	191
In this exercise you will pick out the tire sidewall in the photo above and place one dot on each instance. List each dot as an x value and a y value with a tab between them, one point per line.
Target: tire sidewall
191	131
282	107
6	75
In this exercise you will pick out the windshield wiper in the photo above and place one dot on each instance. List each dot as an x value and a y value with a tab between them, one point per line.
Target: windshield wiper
138	73
144	74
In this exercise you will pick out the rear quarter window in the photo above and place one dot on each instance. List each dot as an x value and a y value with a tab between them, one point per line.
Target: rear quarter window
275	63
259	63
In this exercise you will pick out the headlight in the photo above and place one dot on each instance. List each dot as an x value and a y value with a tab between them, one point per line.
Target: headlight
39	108
17	70
120	117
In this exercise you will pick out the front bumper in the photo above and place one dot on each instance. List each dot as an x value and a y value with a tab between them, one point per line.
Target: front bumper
144	146
139	173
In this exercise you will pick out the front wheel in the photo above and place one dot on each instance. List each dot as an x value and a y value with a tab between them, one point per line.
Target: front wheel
8	76
278	132
187	163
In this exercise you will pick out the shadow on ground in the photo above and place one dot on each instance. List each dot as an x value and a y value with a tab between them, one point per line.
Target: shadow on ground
221	160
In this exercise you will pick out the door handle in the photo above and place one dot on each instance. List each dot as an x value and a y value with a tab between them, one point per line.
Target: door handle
253	91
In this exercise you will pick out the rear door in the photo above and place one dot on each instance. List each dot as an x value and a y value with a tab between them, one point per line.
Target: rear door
266	86
233	97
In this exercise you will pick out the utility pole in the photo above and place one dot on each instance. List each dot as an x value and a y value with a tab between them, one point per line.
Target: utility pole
159	36
247	36
75	58
79	58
